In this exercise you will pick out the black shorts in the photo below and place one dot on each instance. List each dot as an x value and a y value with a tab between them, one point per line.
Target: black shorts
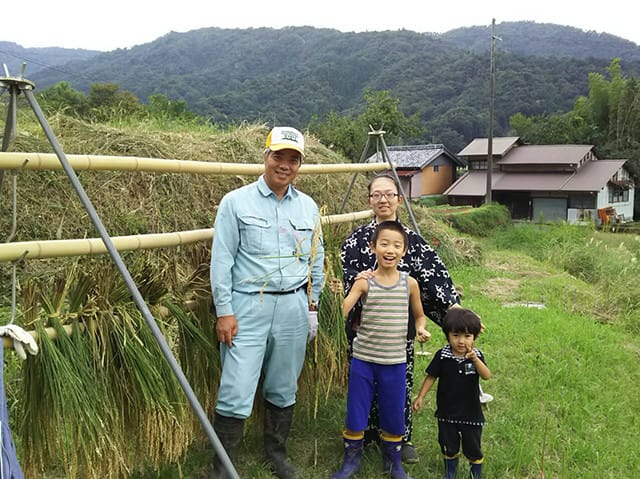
450	435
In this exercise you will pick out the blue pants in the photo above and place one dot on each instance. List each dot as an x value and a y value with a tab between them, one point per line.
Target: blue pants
9	467
388	382
272	341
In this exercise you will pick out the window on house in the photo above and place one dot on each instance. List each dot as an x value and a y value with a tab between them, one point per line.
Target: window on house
582	200
478	165
618	195
436	168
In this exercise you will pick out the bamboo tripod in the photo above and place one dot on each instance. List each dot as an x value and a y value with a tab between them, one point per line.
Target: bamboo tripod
17	85
381	150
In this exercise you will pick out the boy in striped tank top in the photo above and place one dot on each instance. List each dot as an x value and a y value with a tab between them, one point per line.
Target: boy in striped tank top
378	364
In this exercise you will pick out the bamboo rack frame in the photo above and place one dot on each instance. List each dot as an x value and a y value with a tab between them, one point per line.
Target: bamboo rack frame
78	247
49	161
92	246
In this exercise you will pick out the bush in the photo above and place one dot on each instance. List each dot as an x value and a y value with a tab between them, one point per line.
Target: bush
481	221
433	200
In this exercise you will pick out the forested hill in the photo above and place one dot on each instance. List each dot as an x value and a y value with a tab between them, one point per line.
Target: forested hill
13	55
544	39
289	75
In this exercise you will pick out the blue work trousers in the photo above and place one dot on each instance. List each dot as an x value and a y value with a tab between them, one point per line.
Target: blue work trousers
272	341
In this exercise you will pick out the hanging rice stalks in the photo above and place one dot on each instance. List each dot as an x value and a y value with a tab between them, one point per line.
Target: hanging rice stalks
153	409
320	377
152	405
67	419
103	401
198	352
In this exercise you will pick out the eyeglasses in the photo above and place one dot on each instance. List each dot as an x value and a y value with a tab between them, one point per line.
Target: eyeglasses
377	196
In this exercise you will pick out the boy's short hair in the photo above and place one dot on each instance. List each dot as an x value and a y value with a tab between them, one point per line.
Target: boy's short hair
391	225
461	320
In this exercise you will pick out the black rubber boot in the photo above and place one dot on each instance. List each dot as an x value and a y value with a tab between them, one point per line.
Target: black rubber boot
277	422
229	430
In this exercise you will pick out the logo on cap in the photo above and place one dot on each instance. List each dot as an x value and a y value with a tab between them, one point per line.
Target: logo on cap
290	135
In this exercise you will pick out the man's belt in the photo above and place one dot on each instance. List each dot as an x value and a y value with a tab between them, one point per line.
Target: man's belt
289	291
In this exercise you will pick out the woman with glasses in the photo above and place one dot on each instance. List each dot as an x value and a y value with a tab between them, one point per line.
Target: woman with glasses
421	261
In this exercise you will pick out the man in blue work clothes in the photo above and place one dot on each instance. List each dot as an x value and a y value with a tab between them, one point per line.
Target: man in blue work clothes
266	276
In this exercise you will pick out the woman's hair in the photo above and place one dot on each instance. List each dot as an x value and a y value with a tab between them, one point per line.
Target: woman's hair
461	320
393	226
384	174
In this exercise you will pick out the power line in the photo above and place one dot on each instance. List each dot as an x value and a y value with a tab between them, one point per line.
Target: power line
46	66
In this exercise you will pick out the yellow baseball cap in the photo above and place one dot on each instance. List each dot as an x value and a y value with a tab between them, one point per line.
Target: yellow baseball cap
283	137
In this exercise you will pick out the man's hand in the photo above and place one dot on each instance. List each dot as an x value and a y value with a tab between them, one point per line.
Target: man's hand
335	285
227	328
366	274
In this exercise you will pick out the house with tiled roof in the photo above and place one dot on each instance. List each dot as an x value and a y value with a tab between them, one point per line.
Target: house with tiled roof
553	182
423	169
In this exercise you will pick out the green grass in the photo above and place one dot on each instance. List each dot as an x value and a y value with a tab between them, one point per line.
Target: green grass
566	388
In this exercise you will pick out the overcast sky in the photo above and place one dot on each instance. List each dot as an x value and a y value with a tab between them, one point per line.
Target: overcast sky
113	24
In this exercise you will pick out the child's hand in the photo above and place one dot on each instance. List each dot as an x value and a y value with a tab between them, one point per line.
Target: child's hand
417	404
471	354
423	335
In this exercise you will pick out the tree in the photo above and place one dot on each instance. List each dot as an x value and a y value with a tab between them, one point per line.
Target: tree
341	133
161	108
64	99
107	102
349	135
609	117
382	113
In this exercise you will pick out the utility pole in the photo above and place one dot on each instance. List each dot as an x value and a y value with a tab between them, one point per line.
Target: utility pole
491	108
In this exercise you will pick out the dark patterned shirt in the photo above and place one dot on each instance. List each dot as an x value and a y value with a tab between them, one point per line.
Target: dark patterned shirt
437	292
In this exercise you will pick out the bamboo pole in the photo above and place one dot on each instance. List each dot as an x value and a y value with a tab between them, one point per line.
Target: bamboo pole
346	217
92	246
49	161
162	311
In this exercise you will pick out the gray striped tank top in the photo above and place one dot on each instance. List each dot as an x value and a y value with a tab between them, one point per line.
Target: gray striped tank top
382	336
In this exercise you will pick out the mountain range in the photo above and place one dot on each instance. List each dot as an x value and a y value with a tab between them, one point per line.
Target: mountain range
293	74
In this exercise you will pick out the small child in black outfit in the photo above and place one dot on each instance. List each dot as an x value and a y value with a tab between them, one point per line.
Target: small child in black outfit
458	365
